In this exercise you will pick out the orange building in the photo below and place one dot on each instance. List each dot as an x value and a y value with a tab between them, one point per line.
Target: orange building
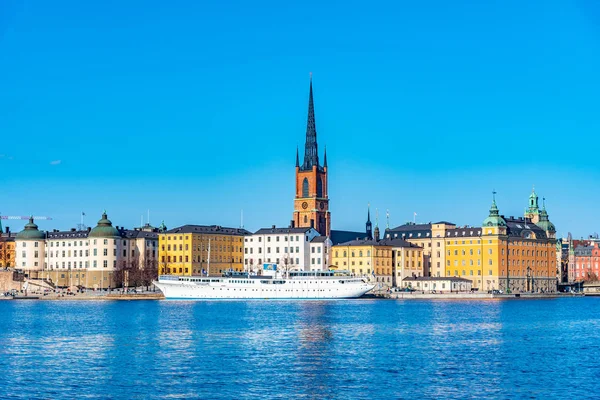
311	205
7	249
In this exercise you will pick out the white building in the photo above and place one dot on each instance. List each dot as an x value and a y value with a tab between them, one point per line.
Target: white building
87	258
30	248
320	247
288	248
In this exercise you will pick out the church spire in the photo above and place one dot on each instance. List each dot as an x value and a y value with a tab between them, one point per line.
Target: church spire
311	154
297	158
369	230
325	158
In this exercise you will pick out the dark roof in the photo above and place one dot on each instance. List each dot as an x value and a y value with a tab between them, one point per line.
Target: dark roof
319	239
411	227
209	229
518	227
68	234
383	242
462	232
338	237
444	222
264	231
410	231
436	278
138	233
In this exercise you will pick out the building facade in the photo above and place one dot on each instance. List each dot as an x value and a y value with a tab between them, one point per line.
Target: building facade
7	249
434	284
87	258
586	256
311	204
290	249
503	254
388	261
201	250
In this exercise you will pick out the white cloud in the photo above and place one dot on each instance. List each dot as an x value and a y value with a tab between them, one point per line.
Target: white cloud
55	162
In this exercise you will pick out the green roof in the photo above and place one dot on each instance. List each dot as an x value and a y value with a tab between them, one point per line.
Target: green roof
104	229
31	232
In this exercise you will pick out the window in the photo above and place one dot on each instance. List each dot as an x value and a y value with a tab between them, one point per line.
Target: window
305	188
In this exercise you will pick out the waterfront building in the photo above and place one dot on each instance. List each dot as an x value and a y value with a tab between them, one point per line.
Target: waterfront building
585	256
311	204
201	249
504	253
388	260
431	238
290	249
7	249
86	258
320	253
436	284
30	246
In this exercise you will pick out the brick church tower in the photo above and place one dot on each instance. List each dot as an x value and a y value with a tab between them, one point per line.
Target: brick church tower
311	205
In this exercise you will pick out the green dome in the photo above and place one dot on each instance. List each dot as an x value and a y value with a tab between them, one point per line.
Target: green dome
31	232
545	223
104	229
494	218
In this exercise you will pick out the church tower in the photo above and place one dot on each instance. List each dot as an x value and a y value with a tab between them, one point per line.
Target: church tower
311	205
533	211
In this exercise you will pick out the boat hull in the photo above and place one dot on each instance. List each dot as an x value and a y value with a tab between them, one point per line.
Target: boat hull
290	290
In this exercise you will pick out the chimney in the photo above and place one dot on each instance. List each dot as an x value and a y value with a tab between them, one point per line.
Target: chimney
89	228
72	229
272	226
292	224
8	230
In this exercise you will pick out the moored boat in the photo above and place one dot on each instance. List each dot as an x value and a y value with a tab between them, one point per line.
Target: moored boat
295	285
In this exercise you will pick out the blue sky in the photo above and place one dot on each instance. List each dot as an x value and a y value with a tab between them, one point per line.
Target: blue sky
194	109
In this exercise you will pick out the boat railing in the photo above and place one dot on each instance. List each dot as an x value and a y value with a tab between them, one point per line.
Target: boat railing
168	278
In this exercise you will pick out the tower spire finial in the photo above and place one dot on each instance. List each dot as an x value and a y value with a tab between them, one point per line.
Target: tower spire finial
311	153
297	157
325	158
494	195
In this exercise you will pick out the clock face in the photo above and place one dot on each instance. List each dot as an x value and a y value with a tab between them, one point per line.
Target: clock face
305	205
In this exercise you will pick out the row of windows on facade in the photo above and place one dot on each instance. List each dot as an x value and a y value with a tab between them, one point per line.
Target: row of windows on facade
409	265
529	263
490	272
201	248
268	260
197	259
67	253
504	243
95	241
285	250
216	238
378	253
517	252
67	264
285	239
82	276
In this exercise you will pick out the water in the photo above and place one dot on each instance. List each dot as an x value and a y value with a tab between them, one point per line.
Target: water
315	350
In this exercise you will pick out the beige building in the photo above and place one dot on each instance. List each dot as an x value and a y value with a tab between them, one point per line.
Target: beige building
91	258
431	238
388	260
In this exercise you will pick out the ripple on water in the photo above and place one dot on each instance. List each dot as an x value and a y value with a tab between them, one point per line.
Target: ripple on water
331	349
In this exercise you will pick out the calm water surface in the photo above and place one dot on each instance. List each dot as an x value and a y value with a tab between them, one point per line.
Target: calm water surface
283	349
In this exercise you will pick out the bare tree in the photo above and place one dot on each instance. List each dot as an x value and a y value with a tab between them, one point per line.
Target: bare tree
149	273
6	255
119	276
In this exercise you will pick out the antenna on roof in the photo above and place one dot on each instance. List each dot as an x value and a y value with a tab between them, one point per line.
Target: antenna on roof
242	219
148	216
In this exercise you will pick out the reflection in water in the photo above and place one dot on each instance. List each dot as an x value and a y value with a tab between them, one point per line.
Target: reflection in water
329	349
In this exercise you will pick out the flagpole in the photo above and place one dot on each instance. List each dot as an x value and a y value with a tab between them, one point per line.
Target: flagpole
208	268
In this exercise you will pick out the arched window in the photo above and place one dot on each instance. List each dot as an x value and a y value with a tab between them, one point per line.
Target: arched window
305	187
319	187
305	219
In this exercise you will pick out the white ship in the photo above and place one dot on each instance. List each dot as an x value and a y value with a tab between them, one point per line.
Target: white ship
296	285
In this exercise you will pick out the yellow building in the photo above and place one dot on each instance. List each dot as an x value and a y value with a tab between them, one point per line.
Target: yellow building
390	260
185	250
431	238
509	254
515	254
7	249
